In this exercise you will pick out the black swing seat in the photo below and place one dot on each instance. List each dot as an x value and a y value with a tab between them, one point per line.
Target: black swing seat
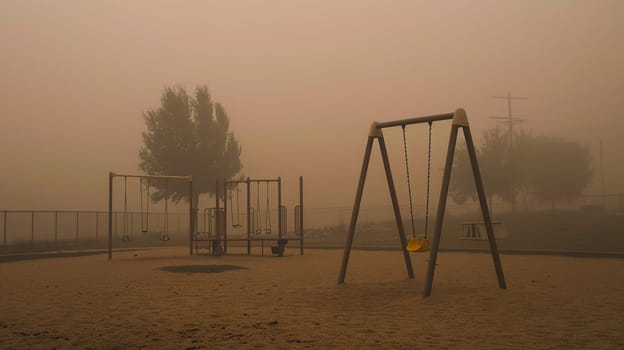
279	249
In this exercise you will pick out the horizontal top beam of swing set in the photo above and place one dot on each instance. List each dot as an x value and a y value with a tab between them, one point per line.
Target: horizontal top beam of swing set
251	180
187	178
416	120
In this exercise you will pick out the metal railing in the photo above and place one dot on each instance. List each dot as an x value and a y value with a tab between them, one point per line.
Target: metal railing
54	226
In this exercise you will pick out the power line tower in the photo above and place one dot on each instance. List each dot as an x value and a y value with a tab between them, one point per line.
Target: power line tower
510	121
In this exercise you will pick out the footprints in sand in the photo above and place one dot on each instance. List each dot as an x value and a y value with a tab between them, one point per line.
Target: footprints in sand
43	335
253	333
32	333
260	325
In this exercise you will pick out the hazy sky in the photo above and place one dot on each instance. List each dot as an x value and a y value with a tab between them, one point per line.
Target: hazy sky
301	80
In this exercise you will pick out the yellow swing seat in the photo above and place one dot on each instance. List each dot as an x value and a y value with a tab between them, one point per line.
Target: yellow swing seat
414	245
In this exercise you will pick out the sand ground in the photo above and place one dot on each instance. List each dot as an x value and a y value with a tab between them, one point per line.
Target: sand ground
294	302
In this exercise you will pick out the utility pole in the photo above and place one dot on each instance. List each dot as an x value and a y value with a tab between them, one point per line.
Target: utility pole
510	120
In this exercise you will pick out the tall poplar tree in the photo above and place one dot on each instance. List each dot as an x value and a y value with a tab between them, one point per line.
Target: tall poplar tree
188	135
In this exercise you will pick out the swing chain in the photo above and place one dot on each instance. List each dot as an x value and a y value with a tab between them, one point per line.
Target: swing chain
428	181
126	233
237	223
257	212
267	220
147	212
238	216
409	185
165	235
144	213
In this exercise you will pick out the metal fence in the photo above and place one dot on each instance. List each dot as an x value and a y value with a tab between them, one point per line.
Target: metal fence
38	226
52	228
59	227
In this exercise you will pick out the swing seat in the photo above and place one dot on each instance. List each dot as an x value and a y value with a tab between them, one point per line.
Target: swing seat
414	245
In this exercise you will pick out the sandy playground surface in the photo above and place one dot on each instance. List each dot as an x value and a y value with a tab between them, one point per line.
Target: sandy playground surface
294	302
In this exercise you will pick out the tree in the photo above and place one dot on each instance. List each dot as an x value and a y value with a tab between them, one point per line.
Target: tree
548	168
494	167
188	136
462	185
557	170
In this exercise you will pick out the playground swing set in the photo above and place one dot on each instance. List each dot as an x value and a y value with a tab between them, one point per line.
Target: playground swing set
258	219
255	226
217	217
459	120
144	214
127	225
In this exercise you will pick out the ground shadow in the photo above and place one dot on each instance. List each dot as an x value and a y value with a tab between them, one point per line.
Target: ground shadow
200	268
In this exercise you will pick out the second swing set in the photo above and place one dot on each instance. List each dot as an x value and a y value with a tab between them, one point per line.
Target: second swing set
251	224
260	216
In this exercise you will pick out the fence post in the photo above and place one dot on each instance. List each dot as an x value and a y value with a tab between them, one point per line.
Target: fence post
5	228
32	227
56	227
279	210
97	224
77	222
301	214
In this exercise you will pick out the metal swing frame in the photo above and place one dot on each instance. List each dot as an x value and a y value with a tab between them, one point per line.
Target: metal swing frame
459	120
282	238
112	176
254	214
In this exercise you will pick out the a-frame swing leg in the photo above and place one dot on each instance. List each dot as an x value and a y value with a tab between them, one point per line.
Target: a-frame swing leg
442	206
356	210
358	201
395	207
484	208
446	180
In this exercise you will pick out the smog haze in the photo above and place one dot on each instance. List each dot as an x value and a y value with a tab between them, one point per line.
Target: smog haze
301	82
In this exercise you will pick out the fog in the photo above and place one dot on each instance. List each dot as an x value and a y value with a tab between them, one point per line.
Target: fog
301	81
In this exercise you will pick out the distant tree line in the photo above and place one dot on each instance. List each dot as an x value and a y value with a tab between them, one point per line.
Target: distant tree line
547	169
